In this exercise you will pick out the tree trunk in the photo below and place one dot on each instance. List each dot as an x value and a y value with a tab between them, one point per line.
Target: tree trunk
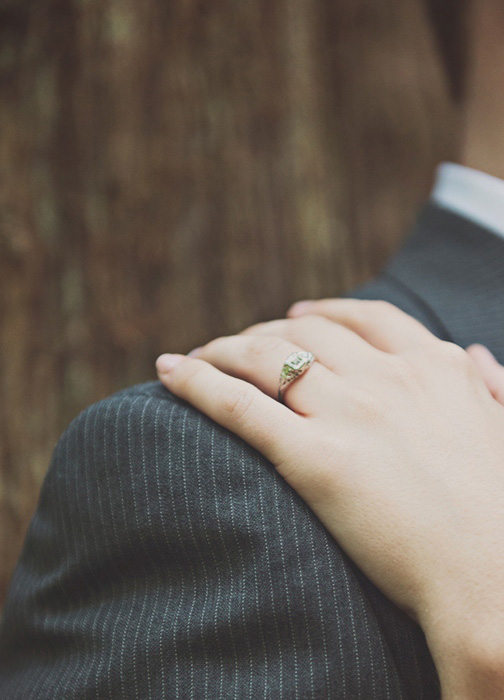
173	171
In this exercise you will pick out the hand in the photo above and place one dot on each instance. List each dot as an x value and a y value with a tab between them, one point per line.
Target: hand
394	440
491	371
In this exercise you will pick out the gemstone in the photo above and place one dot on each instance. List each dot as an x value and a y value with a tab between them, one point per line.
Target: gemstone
297	359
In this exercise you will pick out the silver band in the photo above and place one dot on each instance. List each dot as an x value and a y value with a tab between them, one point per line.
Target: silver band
294	366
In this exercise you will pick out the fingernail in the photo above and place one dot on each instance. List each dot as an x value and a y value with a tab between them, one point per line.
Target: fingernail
166	362
195	352
299	308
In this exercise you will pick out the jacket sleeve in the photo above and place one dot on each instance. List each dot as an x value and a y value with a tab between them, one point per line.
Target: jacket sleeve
167	559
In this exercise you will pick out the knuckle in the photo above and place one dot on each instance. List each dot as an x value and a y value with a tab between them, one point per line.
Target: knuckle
444	356
383	305
373	310
452	352
254	329
265	345
304	326
324	308
186	375
236	404
215	344
455	356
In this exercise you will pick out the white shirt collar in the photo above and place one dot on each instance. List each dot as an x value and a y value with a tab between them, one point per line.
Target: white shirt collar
472	194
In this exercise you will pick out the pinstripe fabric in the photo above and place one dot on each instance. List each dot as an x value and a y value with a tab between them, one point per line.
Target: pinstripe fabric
167	559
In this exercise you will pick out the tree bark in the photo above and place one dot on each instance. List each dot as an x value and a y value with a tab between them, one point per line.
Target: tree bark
175	171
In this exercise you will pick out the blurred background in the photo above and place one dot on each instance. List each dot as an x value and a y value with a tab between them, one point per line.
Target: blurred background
173	171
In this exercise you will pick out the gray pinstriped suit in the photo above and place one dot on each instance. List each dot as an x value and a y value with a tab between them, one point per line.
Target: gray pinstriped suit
167	559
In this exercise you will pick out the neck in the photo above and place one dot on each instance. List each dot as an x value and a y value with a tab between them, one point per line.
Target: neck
483	146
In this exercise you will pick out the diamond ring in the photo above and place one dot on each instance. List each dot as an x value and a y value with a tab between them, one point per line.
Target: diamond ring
294	366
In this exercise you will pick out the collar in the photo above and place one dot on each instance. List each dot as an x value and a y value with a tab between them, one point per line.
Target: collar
471	193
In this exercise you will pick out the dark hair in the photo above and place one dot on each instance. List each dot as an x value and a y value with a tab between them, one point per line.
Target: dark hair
450	21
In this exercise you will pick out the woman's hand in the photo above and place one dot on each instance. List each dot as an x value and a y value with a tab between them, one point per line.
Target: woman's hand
491	371
396	443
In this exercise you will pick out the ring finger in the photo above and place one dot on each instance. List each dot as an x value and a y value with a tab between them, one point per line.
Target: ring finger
260	359
338	348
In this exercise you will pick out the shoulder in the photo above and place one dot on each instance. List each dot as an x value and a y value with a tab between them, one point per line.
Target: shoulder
141	438
142	412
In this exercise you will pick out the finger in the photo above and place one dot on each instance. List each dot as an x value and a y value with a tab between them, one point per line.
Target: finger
265	424
379	322
336	347
259	360
491	370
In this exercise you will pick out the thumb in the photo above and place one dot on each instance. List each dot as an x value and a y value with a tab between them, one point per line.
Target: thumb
491	370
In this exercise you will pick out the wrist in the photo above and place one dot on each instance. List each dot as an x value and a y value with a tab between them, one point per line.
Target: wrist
472	676
469	656
459	604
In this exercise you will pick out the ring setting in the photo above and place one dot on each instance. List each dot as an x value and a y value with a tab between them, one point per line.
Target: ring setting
294	366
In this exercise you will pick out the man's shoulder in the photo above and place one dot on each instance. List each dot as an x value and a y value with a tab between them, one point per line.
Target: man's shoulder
151	390
141	425
133	401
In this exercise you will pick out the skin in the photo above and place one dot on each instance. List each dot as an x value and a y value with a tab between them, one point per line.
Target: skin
395	439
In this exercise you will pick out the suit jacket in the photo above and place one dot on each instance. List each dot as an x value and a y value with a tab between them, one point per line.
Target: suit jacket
167	559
